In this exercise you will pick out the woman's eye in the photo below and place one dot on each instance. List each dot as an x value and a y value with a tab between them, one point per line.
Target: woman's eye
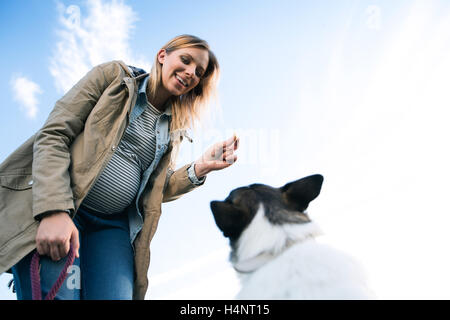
184	60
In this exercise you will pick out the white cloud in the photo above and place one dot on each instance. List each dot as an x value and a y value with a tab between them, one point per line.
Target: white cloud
85	40
25	92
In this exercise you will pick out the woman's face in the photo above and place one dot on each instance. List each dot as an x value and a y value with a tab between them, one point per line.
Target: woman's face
182	69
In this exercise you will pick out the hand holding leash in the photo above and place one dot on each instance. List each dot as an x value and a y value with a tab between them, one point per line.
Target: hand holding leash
55	235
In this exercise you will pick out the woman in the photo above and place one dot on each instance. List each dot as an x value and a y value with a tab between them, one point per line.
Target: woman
95	175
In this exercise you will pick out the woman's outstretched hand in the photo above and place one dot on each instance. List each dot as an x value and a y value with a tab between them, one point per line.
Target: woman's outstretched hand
219	156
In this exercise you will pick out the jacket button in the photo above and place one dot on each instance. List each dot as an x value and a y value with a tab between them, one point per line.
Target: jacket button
113	148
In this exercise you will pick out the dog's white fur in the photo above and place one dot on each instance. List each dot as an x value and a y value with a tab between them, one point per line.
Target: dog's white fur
290	264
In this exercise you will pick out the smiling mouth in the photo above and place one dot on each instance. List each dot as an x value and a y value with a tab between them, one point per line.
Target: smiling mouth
181	80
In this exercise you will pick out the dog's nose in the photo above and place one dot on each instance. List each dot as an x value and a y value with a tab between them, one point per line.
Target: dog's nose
318	178
213	204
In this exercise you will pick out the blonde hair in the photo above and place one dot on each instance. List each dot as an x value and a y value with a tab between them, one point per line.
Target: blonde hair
188	109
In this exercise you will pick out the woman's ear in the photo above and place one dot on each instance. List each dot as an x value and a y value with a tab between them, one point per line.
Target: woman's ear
162	55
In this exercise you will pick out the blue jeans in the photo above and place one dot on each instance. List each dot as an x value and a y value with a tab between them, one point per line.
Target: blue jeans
104	270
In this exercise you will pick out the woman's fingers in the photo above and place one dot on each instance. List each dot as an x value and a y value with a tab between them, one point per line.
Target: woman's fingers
75	242
227	144
42	248
230	141
60	248
54	252
221	154
224	162
64	248
226	147
231	159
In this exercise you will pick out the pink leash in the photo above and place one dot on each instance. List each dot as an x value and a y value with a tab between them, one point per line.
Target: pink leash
36	292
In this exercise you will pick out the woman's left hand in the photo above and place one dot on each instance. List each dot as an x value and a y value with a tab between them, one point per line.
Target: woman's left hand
219	156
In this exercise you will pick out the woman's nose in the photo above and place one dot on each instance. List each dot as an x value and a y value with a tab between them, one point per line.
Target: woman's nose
190	71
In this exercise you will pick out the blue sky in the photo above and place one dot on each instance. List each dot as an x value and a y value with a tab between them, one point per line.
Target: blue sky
354	90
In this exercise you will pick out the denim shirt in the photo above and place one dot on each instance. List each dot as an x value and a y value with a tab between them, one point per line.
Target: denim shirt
162	143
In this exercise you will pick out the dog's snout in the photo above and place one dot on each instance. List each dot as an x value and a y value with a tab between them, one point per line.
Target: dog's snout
213	205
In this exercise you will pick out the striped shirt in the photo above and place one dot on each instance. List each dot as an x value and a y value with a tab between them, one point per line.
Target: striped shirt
119	182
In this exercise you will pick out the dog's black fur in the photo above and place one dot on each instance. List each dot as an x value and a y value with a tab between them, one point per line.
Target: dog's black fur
235	213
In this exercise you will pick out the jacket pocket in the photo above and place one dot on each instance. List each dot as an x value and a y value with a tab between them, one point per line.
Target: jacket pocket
16	216
17	181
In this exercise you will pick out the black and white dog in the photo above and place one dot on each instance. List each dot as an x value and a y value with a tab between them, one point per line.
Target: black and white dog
273	248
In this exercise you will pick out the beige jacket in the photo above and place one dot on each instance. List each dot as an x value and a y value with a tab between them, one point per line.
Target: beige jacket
55	168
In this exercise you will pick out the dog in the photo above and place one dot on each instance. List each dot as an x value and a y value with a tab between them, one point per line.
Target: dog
273	247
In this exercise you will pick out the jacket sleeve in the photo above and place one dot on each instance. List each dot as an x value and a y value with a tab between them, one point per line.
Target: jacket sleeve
178	183
51	150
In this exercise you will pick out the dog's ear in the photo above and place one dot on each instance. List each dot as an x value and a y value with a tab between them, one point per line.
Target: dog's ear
300	193
230	219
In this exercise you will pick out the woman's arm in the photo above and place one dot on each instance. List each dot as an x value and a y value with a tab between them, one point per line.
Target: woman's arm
178	184
51	150
52	193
